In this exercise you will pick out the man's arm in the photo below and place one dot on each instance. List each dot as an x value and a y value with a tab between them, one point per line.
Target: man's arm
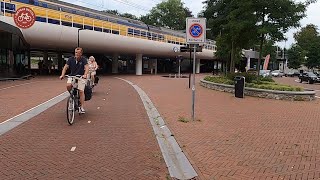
86	70
64	70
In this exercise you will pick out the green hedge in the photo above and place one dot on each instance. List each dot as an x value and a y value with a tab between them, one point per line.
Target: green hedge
218	79
259	83
249	77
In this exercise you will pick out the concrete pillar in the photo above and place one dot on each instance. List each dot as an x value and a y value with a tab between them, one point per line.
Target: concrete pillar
139	64
115	63
155	66
197	66
60	61
45	56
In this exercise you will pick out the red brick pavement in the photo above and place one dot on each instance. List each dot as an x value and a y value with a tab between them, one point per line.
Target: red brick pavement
248	138
117	144
19	96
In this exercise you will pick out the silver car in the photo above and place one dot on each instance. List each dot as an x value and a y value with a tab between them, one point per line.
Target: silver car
277	73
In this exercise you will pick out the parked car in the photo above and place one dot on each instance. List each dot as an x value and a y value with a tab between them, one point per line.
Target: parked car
290	73
277	73
296	72
265	73
309	77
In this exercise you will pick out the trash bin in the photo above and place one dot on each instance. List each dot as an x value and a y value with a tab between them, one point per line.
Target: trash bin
239	86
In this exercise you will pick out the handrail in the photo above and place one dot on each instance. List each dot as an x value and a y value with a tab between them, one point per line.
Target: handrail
210	45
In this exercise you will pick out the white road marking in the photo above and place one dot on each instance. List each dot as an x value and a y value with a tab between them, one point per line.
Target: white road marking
15	86
73	148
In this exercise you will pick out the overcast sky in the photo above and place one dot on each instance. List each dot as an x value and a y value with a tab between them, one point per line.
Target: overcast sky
142	7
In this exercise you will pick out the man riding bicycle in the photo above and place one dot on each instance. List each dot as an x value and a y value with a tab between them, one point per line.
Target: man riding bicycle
78	66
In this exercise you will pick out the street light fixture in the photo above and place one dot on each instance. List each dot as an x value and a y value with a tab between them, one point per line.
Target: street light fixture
78	36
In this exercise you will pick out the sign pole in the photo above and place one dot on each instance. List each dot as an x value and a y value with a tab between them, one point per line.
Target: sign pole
196	35
190	68
194	80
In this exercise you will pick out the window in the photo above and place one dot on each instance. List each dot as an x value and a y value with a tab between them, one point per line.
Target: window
77	25
54	7
106	30
98	29
115	32
9	7
41	19
64	23
130	31
53	21
88	27
136	32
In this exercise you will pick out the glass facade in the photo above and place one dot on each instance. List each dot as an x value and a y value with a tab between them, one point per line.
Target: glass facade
14	55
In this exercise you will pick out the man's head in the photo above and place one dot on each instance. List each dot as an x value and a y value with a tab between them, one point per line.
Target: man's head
78	53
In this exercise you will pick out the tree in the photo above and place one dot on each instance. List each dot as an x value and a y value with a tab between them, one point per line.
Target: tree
114	12
130	16
126	15
295	57
233	22
309	41
274	18
170	14
270	48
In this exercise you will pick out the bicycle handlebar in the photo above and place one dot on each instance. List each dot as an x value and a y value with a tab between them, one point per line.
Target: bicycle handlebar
75	77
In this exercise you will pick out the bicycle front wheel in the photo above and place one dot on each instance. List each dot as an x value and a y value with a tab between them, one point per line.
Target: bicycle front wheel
70	110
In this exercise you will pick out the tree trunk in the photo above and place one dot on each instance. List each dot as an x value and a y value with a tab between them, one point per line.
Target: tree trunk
260	54
232	58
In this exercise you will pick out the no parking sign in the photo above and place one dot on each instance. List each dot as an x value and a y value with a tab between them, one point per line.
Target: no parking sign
196	30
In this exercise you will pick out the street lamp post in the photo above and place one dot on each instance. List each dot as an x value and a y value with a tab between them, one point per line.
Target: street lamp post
78	36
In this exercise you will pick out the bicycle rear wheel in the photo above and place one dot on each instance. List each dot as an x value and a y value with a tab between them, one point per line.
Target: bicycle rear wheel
70	110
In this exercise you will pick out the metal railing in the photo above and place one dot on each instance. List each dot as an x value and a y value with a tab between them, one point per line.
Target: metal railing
107	27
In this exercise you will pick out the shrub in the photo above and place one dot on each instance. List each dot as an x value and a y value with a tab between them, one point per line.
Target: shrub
248	77
221	80
268	79
255	83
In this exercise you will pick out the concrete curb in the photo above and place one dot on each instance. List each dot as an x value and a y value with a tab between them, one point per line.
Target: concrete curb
178	165
27	115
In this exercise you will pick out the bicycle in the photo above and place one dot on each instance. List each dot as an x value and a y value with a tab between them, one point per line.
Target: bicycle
90	82
24	16
73	103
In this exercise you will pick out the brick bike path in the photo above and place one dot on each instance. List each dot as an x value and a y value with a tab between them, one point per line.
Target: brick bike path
248	138
118	143
19	96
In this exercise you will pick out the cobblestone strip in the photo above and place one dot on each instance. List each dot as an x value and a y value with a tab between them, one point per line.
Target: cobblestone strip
177	163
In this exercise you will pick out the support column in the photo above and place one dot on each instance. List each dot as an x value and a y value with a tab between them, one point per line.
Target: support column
197	66
155	66
60	61
115	63
139	64
45	56
45	62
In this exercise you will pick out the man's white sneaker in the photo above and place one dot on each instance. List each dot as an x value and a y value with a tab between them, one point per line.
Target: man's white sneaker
82	111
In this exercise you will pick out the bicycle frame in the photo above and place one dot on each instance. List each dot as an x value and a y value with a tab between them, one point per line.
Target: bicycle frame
73	103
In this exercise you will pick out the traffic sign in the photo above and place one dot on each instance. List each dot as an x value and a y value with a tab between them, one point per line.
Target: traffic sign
175	49
24	17
196	30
